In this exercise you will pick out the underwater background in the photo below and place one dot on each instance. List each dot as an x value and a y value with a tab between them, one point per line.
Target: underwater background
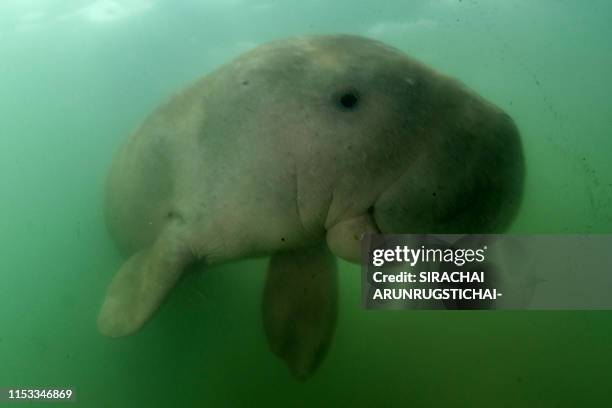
77	77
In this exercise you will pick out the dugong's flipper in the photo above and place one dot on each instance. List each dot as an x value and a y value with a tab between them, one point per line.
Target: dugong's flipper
143	282
300	305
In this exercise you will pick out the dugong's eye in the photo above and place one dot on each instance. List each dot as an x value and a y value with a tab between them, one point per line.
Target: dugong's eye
347	100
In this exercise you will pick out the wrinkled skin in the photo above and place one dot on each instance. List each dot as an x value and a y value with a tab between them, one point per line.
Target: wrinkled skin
295	150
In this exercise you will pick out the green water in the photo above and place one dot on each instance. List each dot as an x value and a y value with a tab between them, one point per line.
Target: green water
76	77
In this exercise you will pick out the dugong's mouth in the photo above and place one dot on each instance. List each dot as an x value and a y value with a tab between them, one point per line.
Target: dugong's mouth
344	237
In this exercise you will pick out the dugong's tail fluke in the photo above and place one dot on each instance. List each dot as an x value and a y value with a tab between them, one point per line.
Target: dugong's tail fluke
300	306
143	282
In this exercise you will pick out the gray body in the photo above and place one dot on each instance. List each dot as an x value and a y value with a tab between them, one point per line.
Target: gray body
296	149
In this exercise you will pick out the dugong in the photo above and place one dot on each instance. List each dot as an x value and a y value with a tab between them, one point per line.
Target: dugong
296	149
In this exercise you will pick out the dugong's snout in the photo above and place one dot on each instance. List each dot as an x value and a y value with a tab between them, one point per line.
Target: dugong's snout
469	181
467	178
